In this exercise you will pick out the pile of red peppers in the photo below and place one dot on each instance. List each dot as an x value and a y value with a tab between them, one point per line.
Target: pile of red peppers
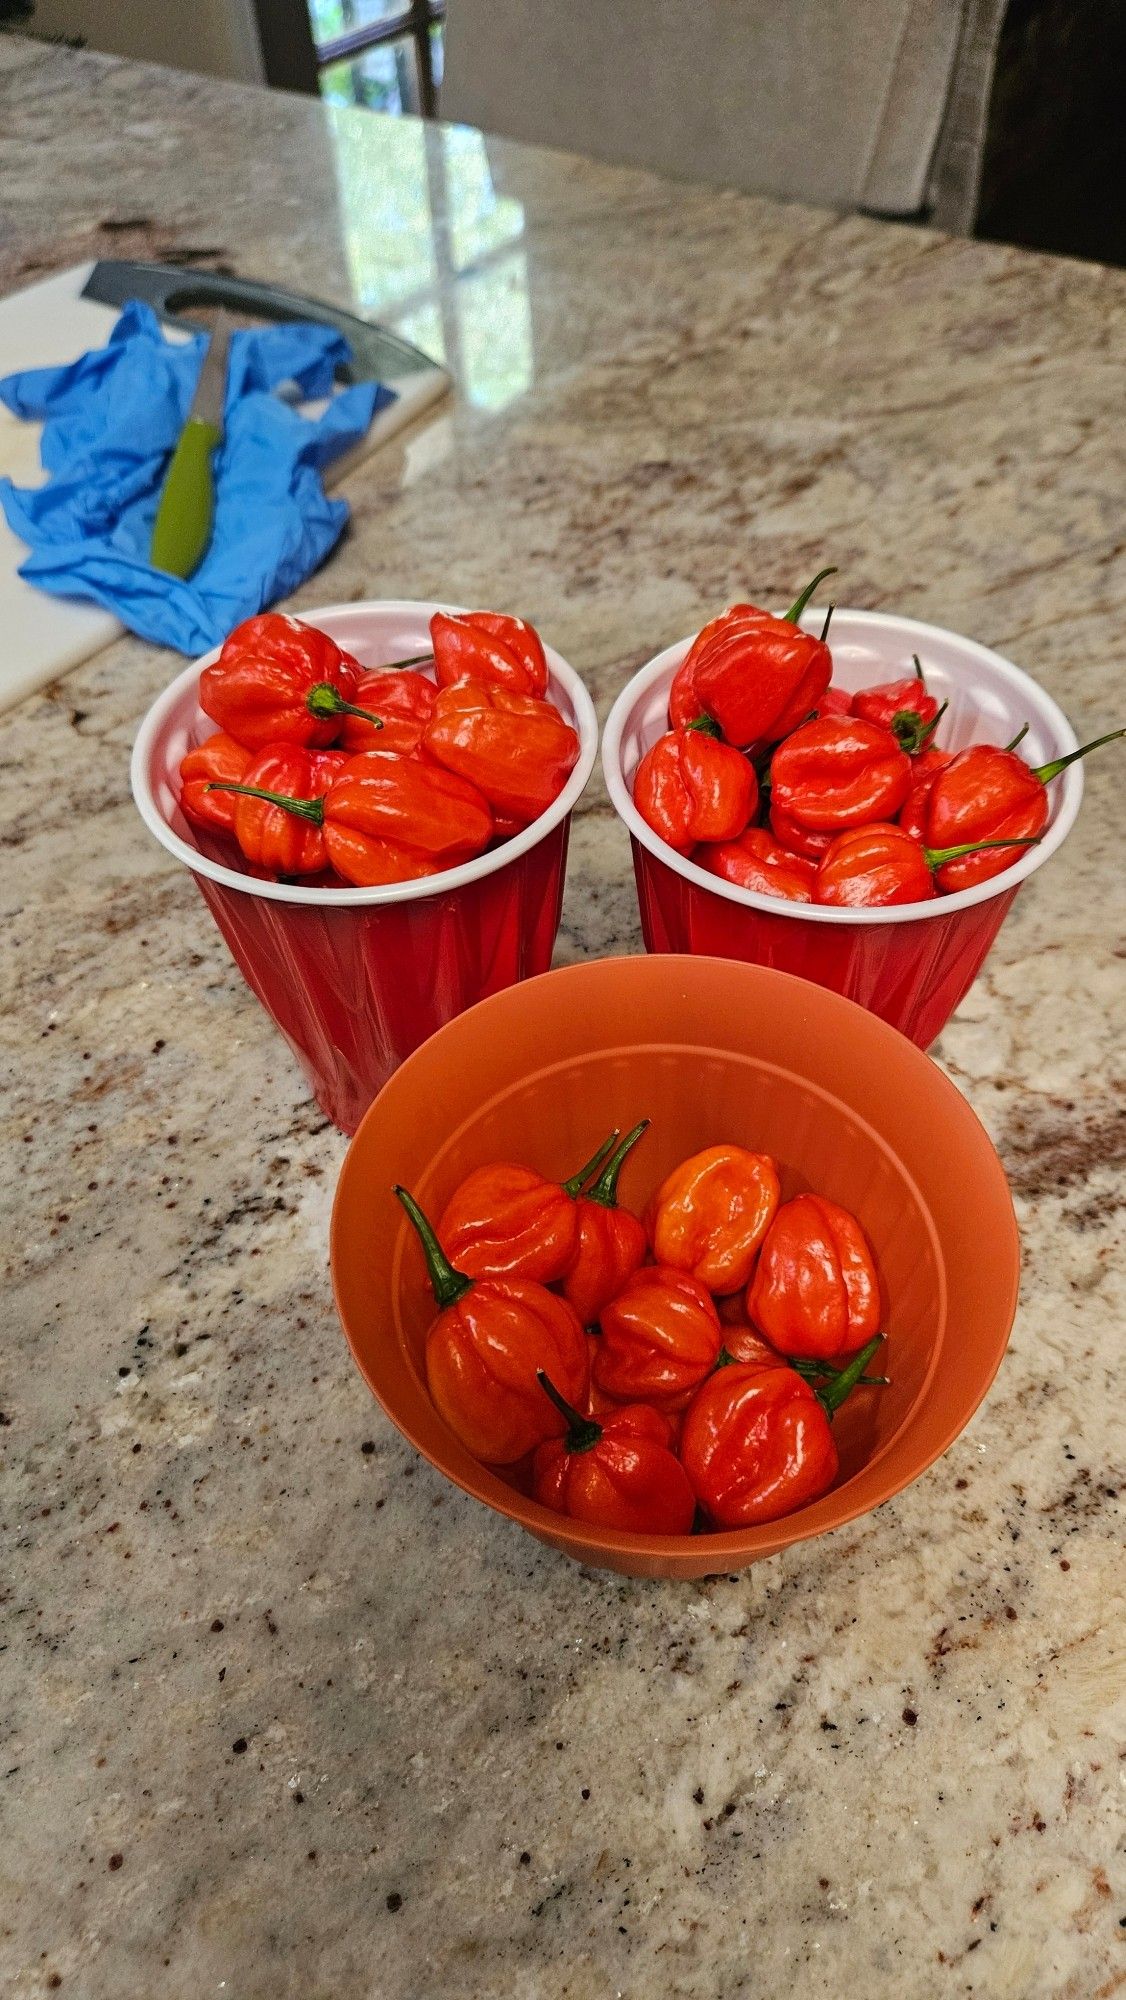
325	771
773	779
659	1373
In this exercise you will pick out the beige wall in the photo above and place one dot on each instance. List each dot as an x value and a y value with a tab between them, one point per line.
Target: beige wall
216	36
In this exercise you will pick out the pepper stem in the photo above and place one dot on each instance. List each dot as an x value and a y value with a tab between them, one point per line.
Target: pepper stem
816	1371
843	1384
448	1285
937	857
798	606
910	731
577	1182
1046	772
828	622
582	1432
919	674
605	1189
310	809
393	666
705	725
324	701
1022	732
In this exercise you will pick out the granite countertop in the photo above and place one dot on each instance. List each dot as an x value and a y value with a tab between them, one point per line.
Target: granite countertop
282	1714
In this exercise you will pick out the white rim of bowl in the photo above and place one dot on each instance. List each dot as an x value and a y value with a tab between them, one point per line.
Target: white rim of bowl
664	665
586	723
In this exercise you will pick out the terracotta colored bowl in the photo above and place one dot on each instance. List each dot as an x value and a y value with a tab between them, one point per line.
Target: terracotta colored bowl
912	964
357	978
709	1049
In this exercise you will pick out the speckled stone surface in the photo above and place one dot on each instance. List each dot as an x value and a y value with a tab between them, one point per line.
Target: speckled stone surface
281	1713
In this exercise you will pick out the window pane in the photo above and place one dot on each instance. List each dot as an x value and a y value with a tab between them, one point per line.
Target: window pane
338	17
385	79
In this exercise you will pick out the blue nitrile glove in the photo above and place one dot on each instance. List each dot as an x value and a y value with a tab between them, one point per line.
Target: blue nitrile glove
111	421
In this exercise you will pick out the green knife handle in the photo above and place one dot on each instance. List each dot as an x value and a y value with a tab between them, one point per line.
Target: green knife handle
182	528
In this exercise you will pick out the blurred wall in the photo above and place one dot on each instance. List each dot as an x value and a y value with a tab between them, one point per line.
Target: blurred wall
219	37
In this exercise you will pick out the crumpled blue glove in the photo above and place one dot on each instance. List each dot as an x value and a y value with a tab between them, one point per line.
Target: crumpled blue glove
111	421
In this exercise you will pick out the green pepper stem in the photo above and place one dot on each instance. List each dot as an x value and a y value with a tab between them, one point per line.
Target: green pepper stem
577	1182
1022	732
828	622
919	674
605	1189
910	731
582	1432
937	857
324	701
1046	772
843	1384
310	809
814	1371
705	725
394	666
724	1359
798	606
448	1285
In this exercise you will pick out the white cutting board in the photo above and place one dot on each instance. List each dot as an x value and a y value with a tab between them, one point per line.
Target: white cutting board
50	323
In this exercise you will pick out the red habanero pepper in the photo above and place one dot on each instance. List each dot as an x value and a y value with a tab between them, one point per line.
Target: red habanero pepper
710	1215
275	821
837	772
403	702
660	1337
610	1242
905	707
516	749
278	680
835	701
924	770
815	1291
490	1337
222	760
491	647
621	1473
797	839
986	793
872	867
508	1221
756	1441
758	862
691	787
756	675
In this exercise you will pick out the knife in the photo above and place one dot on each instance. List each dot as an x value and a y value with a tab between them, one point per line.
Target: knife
186	509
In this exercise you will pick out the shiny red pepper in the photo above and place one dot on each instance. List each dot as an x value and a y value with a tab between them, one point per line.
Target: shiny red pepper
798	839
219	760
404	702
272	822
905	707
691	787
873	867
388	819
839	771
660	1336
990	794
517	750
484	1349
835	701
758	862
756	1441
610	1242
924	770
710	1215
756	675
620	1473
280	681
508	1221
490	647
815	1291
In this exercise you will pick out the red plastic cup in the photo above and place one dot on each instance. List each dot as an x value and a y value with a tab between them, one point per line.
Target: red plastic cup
356	979
913	964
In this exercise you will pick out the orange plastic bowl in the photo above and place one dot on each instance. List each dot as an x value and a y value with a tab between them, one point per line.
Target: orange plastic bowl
709	1049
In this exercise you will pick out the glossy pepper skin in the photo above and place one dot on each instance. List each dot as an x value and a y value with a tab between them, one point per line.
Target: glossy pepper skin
507	1221
924	770
660	1336
617	1473
691	787
758	862
517	750
756	1441
797	839
490	647
874	867
837	772
279	681
218	761
610	1242
905	707
986	793
709	1217
835	701
403	699
483	1351
271	836
756	675
815	1291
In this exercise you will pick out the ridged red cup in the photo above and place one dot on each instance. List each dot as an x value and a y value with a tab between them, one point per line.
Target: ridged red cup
356	979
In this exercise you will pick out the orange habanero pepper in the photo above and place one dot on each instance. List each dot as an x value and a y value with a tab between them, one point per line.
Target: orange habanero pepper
517	750
815	1291
219	760
621	1473
507	1221
610	1242
690	787
711	1214
488	646
660	1337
